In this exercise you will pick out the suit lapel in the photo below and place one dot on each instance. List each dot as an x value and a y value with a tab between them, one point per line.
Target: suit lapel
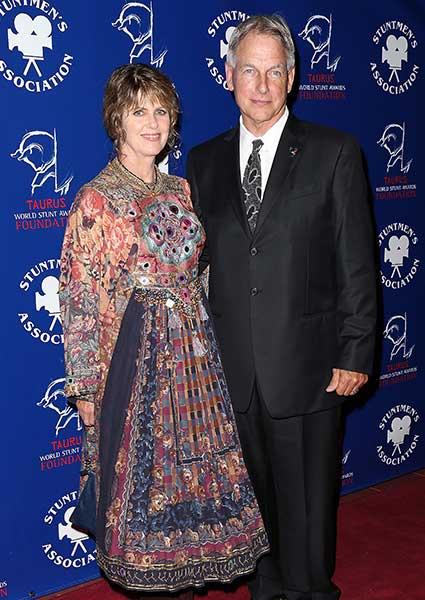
231	170
286	157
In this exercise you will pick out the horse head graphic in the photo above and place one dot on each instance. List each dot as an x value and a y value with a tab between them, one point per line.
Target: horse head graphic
55	399
39	150
396	333
136	21
318	33
392	140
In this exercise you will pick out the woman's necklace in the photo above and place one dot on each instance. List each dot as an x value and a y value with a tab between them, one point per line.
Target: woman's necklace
152	187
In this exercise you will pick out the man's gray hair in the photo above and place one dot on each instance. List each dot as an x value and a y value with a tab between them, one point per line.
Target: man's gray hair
273	25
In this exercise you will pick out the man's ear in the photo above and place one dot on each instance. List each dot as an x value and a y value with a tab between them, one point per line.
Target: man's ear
290	79
229	76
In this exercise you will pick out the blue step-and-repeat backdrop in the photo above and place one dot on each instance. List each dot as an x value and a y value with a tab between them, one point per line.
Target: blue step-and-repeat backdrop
360	69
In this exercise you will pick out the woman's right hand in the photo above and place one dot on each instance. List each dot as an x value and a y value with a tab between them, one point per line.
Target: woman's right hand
86	412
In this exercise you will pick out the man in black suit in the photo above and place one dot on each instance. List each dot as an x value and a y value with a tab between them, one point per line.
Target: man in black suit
292	293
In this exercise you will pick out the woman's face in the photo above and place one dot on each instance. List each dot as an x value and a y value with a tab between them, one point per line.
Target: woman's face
146	127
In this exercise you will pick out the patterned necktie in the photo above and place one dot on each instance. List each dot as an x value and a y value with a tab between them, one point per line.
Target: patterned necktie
251	185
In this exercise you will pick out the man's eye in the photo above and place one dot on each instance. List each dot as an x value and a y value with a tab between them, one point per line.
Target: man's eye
276	74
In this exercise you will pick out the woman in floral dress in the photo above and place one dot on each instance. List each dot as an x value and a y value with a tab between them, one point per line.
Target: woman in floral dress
175	508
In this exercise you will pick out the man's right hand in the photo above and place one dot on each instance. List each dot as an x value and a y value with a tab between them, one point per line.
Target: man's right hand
86	412
346	383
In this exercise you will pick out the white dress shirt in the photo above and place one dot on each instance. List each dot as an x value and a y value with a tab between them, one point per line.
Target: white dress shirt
268	150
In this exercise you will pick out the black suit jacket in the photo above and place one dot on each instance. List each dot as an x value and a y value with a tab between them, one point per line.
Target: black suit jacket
299	296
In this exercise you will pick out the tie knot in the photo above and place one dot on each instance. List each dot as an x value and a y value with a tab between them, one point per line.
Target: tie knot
256	145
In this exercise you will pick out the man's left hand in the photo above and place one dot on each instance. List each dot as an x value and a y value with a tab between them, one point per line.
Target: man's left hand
346	383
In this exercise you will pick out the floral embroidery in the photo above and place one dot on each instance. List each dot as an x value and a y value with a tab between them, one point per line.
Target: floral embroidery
171	231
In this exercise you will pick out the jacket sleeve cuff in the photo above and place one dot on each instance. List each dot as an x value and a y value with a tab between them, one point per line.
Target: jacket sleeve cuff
81	387
73	399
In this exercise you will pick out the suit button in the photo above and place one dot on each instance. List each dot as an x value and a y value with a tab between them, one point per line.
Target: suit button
254	251
254	291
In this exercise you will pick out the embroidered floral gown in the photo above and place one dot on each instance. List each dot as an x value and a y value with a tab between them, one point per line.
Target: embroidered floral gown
176	507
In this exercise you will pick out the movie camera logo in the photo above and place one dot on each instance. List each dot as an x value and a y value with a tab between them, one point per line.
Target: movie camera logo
396	340
220	30
347	476
67	547
398	262
395	70
31	34
396	183
398	427
321	83
42	319
3	589
136	20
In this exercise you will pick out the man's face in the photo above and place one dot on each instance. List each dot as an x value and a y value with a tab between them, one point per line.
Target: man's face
260	81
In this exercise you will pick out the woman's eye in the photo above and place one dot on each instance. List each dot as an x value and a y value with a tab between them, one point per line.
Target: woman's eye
138	112
161	111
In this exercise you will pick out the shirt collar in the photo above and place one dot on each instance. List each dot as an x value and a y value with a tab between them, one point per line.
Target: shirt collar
270	138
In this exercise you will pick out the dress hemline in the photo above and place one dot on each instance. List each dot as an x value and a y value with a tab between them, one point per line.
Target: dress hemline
194	575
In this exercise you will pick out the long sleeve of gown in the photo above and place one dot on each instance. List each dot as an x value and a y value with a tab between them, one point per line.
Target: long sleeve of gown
79	295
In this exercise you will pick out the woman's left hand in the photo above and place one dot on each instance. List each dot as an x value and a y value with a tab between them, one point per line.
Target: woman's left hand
86	412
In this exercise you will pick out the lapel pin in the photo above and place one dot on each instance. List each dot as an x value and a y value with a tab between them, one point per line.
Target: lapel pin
293	151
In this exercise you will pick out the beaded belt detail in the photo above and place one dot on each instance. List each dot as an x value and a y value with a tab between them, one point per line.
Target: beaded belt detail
164	280
182	298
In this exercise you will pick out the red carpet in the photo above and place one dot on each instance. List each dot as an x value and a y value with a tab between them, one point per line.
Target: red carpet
381	548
